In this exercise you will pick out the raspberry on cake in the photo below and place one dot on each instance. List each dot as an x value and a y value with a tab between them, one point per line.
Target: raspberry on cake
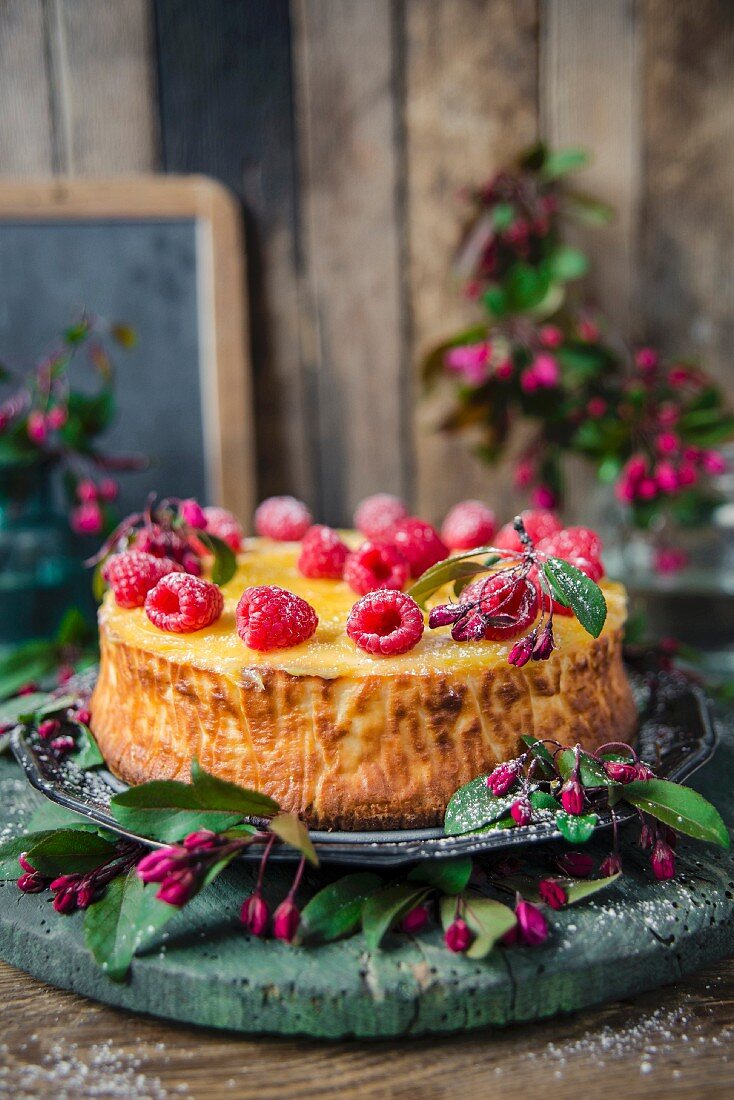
132	575
376	564
468	524
539	523
322	553
181	604
377	515
387	623
420	543
269	617
283	519
225	526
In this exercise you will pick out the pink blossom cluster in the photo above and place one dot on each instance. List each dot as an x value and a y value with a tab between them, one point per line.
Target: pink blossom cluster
87	517
671	467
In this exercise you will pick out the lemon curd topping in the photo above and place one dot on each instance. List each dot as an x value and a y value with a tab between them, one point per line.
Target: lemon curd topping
329	653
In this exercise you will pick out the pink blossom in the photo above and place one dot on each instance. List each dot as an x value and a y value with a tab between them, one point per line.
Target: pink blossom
457	937
668	415
647	488
57	417
285	921
528	380
193	514
87	519
666	477
636	467
108	489
532	927
37	427
178	888
621	771
572	797
713	462
588	331
669	560
546	370
596	407
524	473
550	336
624	490
687	474
522	651
576	864
255	915
86	490
611	865
667	443
472	289
501	779
678	376
544	497
471	361
521	811
503	371
647	359
552	893
662	861
415	920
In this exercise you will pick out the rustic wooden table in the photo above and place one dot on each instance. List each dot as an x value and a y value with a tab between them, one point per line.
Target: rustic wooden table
676	1042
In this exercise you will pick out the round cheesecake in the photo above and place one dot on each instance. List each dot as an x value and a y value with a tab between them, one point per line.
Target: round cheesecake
345	739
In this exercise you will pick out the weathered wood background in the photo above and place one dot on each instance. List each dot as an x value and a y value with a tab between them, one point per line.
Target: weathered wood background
347	127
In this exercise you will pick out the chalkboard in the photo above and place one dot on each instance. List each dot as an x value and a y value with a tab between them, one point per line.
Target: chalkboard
163	256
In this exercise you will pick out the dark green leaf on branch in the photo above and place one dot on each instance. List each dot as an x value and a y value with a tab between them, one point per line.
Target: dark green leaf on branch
580	593
336	910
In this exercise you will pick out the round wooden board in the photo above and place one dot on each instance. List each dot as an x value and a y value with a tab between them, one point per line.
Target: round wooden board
204	970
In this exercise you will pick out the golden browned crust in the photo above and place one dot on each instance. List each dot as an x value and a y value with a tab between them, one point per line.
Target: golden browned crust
351	752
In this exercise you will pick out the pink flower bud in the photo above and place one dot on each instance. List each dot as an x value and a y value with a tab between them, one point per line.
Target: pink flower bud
48	728
62	744
648	835
679	376
612	865
25	864
32	883
669	559
546	370
193	514
544	497
255	915
522	651
646	359
588	331
192	564
621	772
457	936
666	477
545	644
504	370
471	361
445	615
37	428
415	920
108	489
65	900
178	888
86	490
524	473
572	797
158	865
550	336
575	864
85	897
528	380
521	811
687	474
662	861
204	838
636	468
57	417
286	920
87	519
501	779
647	488
713	462
532	926
28	689
64	674
596	407
667	443
642	772
552	893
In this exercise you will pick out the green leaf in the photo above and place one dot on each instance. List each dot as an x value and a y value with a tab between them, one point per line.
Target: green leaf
588	210
568	263
489	920
291	830
87	754
167	810
49	815
576	828
451	569
542	800
580	593
495	301
74	630
336	910
385	908
124	920
563	161
10	869
473	806
682	808
503	215
450	876
219	794
225	559
540	753
21	708
579	889
591	772
65	851
26	663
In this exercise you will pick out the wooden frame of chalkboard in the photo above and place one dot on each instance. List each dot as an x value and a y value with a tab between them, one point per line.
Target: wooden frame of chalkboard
224	362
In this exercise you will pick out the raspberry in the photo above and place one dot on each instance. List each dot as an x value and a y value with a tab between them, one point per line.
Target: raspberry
468	524
132	575
269	617
322	553
225	526
500	595
182	604
284	519
377	564
538	524
161	543
385	623
377	515
579	546
420	543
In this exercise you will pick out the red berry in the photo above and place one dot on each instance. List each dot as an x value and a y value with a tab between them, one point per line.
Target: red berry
377	515
498	595
182	604
284	519
539	523
322	553
468	524
580	546
269	617
420	543
376	565
162	543
225	526
386	623
132	575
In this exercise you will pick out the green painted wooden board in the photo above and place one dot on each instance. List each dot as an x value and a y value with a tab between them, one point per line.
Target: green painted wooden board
204	970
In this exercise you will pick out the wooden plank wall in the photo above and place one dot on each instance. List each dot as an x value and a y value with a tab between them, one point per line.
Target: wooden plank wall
347	127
